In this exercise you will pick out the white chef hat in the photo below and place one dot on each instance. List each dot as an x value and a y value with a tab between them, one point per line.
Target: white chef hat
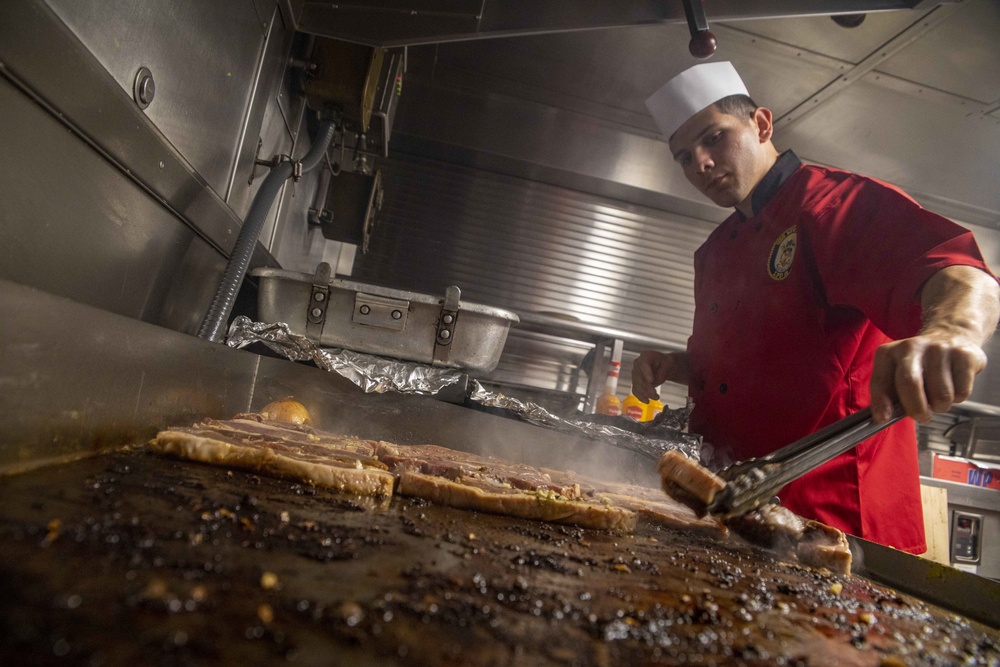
691	91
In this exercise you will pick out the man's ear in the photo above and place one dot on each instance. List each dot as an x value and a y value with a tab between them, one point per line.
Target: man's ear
763	120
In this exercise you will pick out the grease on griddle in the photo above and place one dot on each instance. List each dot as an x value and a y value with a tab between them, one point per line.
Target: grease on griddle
417	589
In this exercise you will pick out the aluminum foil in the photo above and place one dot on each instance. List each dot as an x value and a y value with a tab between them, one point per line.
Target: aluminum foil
651	439
375	374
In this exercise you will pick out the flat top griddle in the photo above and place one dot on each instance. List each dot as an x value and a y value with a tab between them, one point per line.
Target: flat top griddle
128	558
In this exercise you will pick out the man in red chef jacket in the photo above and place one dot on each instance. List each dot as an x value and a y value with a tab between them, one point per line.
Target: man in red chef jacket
824	292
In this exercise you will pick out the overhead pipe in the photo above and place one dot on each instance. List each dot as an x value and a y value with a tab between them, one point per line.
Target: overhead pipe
212	327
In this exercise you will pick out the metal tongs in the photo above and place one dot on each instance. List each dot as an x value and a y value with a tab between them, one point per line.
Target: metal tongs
753	482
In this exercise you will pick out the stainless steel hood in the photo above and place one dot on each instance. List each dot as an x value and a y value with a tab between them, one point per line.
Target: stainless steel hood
409	22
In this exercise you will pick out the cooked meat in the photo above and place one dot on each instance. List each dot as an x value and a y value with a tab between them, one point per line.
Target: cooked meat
688	482
824	546
452	464
255	427
487	484
361	467
336	463
811	542
651	504
485	496
770	526
668	513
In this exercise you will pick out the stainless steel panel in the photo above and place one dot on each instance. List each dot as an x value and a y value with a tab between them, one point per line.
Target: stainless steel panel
608	74
42	57
203	55
535	248
819	34
530	247
976	597
955	58
77	226
916	155
265	131
394	22
296	244
549	144
117	381
76	380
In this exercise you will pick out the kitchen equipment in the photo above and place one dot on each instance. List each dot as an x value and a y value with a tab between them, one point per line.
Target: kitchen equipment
174	554
754	481
346	75
974	527
387	322
349	208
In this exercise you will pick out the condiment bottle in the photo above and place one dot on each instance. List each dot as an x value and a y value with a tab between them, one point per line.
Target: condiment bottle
634	408
609	404
654	407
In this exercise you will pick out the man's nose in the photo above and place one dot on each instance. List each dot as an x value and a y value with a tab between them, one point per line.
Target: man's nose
703	161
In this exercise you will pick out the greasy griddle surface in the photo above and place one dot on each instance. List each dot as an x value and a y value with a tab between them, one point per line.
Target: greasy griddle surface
134	559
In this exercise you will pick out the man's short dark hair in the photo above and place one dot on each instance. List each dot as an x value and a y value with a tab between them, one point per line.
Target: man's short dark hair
740	106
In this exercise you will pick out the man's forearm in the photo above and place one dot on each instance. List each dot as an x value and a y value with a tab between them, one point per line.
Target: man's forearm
963	300
682	368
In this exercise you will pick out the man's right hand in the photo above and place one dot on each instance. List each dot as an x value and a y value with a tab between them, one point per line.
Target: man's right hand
651	369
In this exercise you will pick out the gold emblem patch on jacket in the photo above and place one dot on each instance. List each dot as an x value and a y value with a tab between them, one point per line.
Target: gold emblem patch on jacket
779	264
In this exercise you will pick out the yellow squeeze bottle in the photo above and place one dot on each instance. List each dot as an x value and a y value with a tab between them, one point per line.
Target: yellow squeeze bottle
654	408
634	408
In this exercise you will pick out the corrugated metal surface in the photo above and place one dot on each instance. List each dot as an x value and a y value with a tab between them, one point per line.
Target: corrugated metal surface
531	247
526	246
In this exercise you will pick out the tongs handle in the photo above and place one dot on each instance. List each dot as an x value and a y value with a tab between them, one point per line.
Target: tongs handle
752	482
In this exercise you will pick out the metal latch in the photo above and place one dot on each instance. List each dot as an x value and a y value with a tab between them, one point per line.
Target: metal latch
319	299
446	323
379	311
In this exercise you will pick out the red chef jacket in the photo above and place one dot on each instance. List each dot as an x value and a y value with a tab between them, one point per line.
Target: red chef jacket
791	305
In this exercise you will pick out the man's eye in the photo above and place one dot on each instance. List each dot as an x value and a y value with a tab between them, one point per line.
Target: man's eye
713	139
686	160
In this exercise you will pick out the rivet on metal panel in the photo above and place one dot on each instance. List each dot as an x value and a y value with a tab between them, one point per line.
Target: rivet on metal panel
143	88
380	311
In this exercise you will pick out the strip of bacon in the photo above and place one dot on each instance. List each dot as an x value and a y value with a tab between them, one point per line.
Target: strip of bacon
514	502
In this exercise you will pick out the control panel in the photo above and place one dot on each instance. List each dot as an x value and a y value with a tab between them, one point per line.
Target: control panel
966	543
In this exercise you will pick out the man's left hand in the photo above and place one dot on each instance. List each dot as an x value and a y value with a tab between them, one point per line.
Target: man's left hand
929	373
936	368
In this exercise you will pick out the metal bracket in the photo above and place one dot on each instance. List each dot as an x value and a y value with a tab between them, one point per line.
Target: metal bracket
446	323
272	163
319	299
380	311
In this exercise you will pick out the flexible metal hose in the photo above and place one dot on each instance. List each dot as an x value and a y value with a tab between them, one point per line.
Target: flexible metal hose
222	305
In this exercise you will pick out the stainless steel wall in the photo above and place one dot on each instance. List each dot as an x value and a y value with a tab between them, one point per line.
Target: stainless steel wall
132	209
531	247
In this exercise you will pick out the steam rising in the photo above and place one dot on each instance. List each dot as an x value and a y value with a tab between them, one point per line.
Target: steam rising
595	450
